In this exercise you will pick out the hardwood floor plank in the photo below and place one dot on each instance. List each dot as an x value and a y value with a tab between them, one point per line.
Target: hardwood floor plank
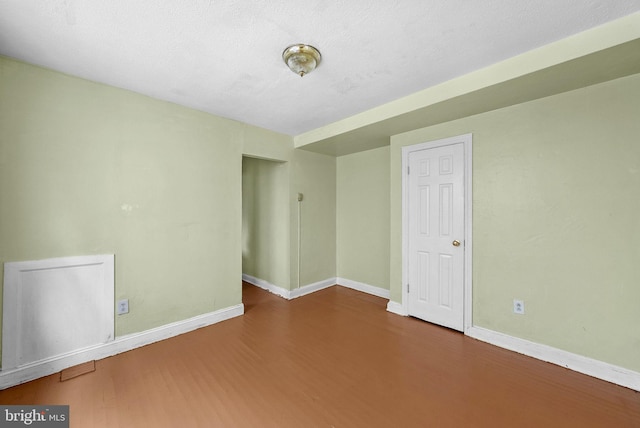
335	358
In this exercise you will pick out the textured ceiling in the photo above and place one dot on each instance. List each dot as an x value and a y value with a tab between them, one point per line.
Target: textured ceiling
223	56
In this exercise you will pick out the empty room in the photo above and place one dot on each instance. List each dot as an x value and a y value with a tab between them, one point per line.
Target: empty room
332	214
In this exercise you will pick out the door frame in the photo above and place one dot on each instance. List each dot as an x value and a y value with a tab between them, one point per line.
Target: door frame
467	142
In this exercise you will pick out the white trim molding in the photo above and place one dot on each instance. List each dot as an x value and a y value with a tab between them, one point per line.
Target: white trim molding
396	308
365	288
595	368
265	285
121	344
311	288
316	286
289	294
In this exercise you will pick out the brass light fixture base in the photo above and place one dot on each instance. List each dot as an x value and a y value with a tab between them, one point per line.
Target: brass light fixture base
301	59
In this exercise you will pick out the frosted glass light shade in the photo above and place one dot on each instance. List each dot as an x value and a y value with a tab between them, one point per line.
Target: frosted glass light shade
301	59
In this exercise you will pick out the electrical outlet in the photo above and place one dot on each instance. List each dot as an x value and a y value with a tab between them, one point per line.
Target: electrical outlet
123	307
518	307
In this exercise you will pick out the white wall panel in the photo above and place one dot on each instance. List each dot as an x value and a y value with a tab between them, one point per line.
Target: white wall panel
56	306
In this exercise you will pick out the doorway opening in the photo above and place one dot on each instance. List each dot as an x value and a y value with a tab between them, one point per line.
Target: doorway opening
265	222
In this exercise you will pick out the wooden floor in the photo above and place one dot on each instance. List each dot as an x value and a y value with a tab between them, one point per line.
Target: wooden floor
334	358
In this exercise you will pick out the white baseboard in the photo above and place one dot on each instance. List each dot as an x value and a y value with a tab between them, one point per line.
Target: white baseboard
265	285
289	294
310	288
365	288
121	344
396	308
585	365
316	286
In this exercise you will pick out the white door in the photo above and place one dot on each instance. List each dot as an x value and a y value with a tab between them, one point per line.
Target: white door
436	246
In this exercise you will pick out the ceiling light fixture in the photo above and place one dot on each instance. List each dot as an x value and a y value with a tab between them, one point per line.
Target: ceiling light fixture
301	59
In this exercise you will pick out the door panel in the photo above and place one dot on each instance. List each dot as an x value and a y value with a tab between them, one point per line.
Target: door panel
436	220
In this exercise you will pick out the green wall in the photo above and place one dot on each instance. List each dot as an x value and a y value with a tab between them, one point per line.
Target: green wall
265	220
363	217
90	169
313	175
555	219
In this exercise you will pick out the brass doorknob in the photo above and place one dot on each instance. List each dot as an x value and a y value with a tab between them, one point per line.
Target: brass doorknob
456	243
